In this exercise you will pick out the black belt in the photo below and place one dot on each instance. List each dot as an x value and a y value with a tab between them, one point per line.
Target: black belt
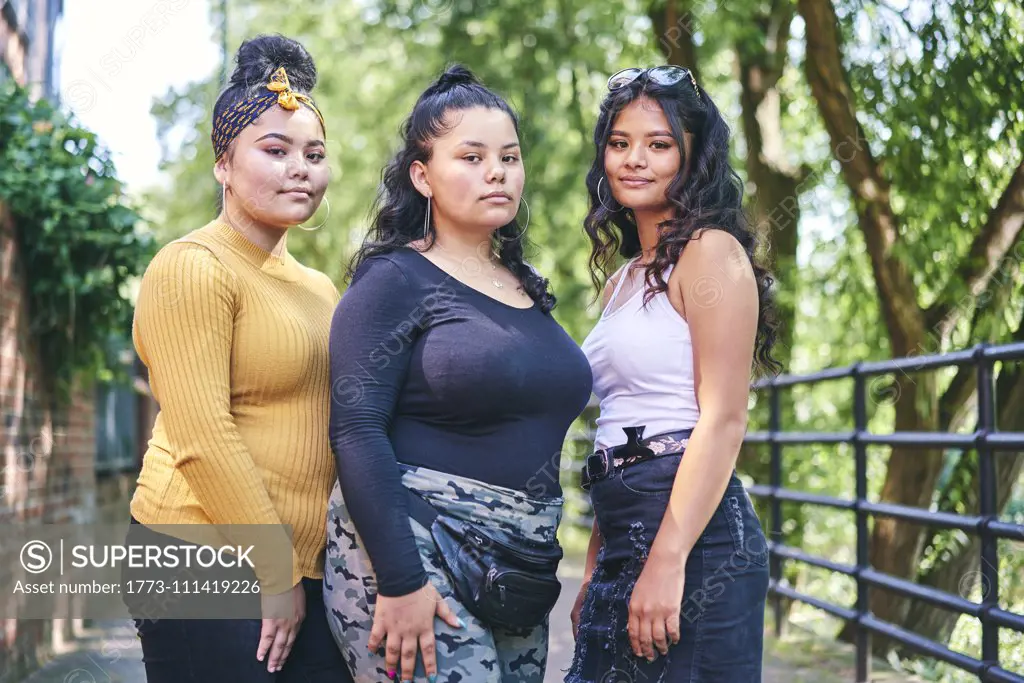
605	461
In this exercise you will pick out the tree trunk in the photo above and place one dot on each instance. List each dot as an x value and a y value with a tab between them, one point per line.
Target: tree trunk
775	205
959	574
910	480
775	200
912	473
674	24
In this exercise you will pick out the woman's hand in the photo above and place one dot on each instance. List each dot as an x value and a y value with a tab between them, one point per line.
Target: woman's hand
655	605
278	633
406	625
574	616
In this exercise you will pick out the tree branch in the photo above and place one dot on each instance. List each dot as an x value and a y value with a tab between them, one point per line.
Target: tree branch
761	64
565	11
1000	232
1018	334
782	13
863	176
987	325
956	396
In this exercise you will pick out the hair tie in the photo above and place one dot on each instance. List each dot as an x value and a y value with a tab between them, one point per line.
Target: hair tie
233	120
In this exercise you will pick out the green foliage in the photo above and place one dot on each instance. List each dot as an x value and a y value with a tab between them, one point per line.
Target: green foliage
934	86
79	247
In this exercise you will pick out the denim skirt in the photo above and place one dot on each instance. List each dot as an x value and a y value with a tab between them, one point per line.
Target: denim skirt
726	585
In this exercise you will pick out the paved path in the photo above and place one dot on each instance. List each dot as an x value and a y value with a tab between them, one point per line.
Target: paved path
560	645
110	653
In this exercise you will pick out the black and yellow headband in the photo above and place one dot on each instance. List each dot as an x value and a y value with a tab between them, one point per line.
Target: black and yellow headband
230	123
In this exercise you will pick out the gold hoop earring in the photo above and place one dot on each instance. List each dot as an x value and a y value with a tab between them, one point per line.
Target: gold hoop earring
224	204
601	201
322	223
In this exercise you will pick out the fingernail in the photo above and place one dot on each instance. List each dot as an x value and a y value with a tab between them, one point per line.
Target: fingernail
391	675
462	624
432	678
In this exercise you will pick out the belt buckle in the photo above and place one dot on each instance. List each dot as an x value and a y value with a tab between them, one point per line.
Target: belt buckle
595	468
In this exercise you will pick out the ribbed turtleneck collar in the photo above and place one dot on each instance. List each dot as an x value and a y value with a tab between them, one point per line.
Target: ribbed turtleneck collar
282	266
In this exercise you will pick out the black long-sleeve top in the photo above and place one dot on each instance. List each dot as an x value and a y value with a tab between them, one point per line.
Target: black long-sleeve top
428	371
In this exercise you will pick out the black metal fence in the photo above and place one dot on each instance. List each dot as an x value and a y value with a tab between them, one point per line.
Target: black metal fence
989	444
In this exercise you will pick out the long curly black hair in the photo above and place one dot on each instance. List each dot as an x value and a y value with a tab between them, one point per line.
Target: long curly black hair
399	211
710	196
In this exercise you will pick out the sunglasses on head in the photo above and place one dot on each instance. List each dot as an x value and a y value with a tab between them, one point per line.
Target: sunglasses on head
667	75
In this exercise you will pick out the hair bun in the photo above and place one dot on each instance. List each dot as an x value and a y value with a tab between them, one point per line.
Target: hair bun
258	58
454	75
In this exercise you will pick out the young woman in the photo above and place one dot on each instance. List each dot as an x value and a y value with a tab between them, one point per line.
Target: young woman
451	380
235	334
677	560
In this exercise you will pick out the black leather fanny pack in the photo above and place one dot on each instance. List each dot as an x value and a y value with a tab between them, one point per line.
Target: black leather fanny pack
502	580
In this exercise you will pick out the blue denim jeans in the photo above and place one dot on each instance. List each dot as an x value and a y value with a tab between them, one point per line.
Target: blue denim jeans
224	650
726	585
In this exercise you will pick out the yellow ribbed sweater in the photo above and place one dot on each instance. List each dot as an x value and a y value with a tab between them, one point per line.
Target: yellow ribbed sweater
236	342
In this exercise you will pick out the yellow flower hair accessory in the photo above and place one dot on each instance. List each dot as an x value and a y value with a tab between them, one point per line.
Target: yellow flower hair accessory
233	120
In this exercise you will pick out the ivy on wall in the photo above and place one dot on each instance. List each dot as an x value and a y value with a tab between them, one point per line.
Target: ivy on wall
79	243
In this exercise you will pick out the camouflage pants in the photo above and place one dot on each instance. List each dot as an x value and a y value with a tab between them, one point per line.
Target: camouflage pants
476	654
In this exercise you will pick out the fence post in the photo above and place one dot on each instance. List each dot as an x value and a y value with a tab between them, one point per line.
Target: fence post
987	504
774	427
860	451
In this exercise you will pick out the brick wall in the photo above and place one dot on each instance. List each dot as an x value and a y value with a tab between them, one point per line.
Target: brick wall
47	457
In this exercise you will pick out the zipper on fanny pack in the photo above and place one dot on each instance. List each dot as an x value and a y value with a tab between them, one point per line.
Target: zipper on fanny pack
480	540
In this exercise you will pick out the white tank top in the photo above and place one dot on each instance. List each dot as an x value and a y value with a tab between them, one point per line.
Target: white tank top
642	361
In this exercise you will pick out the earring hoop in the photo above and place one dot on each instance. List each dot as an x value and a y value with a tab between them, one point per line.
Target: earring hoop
522	200
601	201
322	223
224	203
426	219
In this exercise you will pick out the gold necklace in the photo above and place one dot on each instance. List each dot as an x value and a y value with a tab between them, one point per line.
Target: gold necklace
495	281
494	268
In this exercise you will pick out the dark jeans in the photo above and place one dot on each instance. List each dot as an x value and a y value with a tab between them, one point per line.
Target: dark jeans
224	650
726	585
198	647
